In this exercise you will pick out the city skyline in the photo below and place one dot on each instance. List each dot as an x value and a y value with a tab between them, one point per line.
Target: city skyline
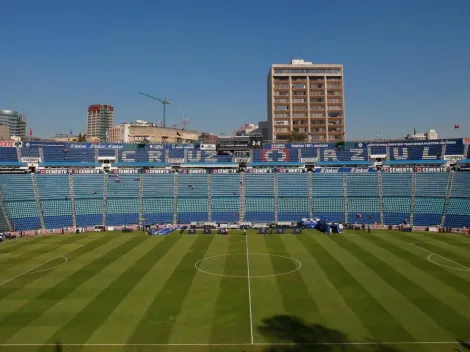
213	61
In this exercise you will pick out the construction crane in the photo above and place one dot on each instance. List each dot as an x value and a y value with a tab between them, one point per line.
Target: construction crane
164	102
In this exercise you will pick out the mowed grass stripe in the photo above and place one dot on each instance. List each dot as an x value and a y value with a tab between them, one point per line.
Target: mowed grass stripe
356	292
266	297
401	248
332	306
155	327
36	307
197	311
22	283
231	321
437	321
295	295
133	266
135	305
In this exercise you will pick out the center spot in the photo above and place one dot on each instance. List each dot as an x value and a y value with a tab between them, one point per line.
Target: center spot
260	265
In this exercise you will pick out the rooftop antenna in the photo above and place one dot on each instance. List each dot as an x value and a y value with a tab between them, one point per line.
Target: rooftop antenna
185	120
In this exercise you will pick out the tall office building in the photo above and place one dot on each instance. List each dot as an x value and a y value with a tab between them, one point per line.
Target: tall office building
307	99
14	121
100	121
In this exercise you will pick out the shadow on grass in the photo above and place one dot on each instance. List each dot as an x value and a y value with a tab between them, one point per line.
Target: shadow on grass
465	345
291	334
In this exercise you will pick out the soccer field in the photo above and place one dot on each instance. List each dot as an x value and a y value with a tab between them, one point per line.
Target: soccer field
384	291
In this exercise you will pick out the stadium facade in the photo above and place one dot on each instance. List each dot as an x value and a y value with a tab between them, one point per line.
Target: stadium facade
45	185
307	99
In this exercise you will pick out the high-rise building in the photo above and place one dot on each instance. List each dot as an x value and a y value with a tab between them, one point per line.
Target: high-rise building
14	121
100	121
306	99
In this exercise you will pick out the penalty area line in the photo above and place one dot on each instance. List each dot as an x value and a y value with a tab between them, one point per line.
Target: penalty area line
37	266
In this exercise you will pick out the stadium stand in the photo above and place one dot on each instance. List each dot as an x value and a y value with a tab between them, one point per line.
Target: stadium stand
88	197
158	198
225	197
292	198
328	196
259	193
415	185
363	198
396	192
20	203
193	197
458	210
54	196
431	189
122	200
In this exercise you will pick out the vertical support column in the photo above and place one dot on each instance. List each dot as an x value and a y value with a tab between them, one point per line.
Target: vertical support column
310	194
381	199
41	154
345	189
242	210
97	154
276	205
448	192
209	197
413	197
18	153
141	199
4	210
72	201
175	198
105	197
38	202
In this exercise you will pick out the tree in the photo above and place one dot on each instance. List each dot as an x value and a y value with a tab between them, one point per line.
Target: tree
296	137
81	137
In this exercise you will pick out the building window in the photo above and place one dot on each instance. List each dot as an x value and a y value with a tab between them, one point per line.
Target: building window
300	122
334	114
318	129
300	130
281	86
281	114
316	86
334	100
317	122
298	85
317	114
299	93
298	100
334	107
317	107
282	122
331	85
318	138
282	129
295	79
281	93
299	107
281	107
299	114
317	93
317	100
281	100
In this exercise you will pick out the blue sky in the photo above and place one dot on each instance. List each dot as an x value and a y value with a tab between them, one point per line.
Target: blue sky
407	63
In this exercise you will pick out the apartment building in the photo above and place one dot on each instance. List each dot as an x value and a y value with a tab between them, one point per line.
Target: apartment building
307	99
100	121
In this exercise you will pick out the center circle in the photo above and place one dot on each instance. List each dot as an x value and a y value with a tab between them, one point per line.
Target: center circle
236	265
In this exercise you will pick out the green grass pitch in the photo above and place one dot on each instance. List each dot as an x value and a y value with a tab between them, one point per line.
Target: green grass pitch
384	291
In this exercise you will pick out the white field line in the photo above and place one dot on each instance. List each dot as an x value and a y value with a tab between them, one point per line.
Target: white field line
37	266
390	343
438	255
249	288
17	241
